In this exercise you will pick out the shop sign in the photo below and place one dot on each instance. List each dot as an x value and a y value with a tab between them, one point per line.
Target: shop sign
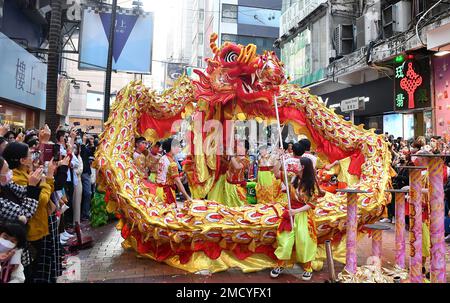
24	77
412	84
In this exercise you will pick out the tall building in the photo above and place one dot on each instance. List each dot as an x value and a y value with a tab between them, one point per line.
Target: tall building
238	21
365	50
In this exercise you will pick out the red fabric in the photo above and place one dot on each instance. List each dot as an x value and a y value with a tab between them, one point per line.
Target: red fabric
211	249
151	186
285	224
162	127
107	195
125	231
357	160
170	198
265	168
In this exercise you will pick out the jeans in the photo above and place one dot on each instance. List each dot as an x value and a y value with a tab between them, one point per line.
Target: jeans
86	198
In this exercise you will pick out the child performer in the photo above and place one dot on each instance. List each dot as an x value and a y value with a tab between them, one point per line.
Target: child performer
304	194
152	161
168	178
235	185
265	187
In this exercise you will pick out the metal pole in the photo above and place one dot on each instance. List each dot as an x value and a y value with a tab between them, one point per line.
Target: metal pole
282	161
109	62
352	116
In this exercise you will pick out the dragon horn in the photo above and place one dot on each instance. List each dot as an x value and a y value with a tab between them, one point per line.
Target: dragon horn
212	43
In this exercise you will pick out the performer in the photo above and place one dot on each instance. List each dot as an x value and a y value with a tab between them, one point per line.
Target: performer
266	182
292	164
217	191
304	193
235	185
308	154
139	155
152	161
167	177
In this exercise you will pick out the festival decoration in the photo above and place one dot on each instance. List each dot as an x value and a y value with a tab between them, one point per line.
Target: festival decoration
204	234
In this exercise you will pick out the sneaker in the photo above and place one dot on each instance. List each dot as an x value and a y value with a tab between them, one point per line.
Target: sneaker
276	272
307	275
65	238
447	238
67	234
393	220
385	220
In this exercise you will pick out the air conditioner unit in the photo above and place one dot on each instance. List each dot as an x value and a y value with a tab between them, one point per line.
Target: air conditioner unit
367	28
343	39
396	18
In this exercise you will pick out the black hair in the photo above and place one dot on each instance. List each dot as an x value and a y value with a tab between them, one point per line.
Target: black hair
306	144
308	181
138	140
167	144
285	146
60	133
3	139
247	145
29	138
15	151
10	132
33	142
158	144
15	229
298	149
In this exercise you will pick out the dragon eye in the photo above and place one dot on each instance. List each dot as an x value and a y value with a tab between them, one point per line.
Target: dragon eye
231	57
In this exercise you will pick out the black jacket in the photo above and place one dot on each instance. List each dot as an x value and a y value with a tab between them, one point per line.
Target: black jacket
86	153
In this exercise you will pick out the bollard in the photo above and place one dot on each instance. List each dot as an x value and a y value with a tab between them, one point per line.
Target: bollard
400	251
415	226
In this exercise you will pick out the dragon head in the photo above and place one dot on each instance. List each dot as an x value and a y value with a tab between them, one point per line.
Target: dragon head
236	71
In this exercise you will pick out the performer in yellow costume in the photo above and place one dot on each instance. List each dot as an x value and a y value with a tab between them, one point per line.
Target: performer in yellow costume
168	177
235	185
152	161
303	236
217	192
266	186
139	155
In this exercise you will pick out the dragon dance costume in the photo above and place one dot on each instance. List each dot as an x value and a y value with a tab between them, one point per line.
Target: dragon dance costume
235	185
152	164
267	184
217	192
303	235
165	179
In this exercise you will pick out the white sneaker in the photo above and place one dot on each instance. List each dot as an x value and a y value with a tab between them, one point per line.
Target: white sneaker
66	234
385	220
393	220
276	272
63	237
307	275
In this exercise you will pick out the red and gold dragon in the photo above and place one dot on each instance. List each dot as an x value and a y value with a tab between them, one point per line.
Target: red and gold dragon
237	84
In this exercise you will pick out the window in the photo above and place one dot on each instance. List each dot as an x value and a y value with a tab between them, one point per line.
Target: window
258	16
200	38
229	38
201	15
229	13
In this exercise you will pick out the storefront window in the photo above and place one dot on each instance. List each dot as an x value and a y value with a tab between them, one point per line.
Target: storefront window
408	126
17	117
428	123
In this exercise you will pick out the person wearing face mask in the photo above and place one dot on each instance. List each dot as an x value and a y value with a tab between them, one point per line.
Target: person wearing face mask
13	235
42	232
139	155
167	177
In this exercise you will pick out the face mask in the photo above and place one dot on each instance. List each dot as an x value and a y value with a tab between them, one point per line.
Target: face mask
6	245
8	177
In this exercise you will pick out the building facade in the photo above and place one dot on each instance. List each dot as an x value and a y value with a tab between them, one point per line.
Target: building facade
238	21
23	78
348	49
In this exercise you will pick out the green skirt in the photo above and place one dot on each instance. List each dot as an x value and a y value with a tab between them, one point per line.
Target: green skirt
235	195
218	190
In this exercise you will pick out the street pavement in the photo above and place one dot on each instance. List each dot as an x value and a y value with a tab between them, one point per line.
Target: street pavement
108	262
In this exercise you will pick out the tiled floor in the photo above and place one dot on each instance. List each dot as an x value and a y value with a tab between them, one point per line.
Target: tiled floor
107	261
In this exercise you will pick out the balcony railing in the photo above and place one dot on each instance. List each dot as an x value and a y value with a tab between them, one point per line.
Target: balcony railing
297	12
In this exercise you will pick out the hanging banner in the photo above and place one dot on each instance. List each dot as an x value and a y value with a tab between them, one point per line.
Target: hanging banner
62	101
133	40
412	84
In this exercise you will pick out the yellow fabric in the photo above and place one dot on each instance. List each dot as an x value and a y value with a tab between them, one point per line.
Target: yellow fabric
199	261
426	241
343	174
305	244
162	195
265	187
38	224
217	192
235	195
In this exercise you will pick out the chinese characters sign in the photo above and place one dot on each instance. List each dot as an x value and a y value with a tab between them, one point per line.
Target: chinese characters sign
23	77
412	84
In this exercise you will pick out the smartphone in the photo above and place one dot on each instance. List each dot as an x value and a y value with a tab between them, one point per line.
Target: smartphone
46	153
56	152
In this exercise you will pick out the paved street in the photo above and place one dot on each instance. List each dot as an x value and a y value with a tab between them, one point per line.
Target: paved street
107	261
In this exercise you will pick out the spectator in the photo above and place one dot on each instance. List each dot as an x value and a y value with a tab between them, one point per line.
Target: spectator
77	164
13	236
86	152
10	136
